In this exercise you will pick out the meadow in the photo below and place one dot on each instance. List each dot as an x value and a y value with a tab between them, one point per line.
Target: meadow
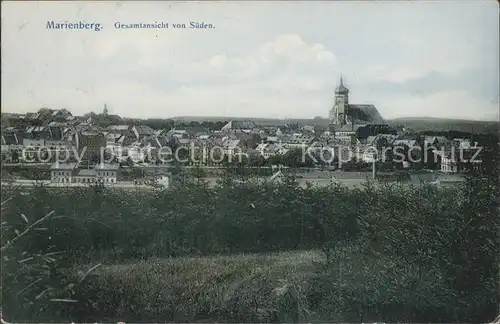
255	253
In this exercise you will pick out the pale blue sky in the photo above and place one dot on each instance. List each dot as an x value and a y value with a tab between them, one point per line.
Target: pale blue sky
263	59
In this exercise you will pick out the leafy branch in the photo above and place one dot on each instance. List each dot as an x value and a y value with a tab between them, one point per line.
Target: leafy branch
26	231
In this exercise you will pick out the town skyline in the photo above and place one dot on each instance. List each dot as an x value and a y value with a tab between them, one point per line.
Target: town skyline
225	118
426	67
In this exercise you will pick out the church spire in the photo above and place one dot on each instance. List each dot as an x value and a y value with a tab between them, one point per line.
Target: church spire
341	89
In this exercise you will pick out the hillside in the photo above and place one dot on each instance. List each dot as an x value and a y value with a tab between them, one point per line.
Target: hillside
446	124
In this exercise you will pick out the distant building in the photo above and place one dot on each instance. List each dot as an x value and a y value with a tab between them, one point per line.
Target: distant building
62	172
31	142
85	176
241	126
448	164
61	115
89	144
435	141
344	113
231	146
299	141
69	173
459	160
142	131
345	133
106	173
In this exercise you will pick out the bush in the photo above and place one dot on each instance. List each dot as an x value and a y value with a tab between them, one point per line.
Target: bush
393	253
34	281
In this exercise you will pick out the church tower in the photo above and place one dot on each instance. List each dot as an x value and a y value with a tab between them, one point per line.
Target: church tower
341	102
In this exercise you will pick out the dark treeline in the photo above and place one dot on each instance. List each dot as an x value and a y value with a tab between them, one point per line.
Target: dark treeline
450	135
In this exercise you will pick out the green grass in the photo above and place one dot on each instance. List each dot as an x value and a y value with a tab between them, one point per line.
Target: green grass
267	287
238	288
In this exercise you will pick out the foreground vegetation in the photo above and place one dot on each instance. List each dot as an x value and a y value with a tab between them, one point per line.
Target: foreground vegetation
383	253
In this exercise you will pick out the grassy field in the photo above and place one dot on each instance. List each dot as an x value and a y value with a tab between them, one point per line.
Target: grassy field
267	287
286	287
251	287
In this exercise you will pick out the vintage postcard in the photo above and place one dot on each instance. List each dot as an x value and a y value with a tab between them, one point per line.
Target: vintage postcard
250	161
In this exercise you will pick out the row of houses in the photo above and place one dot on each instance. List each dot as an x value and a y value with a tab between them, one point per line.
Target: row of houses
95	134
123	143
71	173
106	174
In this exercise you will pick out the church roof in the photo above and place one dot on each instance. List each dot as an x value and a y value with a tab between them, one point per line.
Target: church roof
371	112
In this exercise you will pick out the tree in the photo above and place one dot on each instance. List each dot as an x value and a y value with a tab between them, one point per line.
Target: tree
199	175
275	159
44	115
256	160
94	158
296	159
33	283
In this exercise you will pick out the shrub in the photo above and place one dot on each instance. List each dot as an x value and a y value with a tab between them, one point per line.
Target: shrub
394	253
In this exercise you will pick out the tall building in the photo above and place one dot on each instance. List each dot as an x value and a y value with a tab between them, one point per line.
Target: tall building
340	106
344	113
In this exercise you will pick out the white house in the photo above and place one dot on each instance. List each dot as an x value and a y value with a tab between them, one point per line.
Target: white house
369	155
231	146
106	173
85	176
62	172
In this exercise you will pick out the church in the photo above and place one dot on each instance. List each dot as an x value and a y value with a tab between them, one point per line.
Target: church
346	118
343	113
